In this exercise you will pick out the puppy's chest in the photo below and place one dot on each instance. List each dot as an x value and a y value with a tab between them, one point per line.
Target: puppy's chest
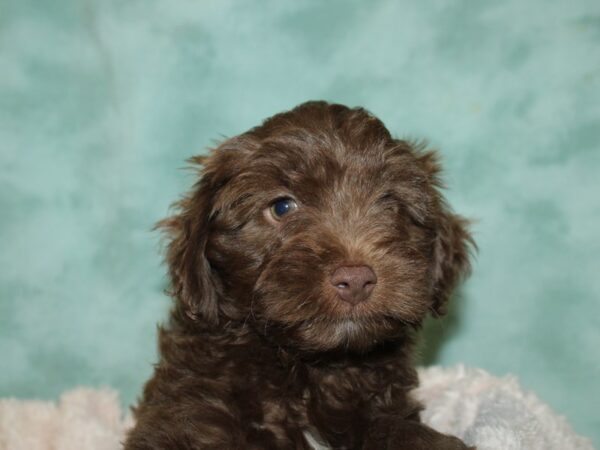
313	402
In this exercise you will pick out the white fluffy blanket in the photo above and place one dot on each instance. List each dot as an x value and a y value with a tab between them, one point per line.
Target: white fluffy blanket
492	413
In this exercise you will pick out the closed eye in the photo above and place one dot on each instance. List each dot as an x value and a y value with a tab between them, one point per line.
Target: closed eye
389	202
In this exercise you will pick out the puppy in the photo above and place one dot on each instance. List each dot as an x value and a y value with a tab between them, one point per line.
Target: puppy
301	263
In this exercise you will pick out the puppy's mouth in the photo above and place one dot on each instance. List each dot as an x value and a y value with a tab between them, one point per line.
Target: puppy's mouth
347	333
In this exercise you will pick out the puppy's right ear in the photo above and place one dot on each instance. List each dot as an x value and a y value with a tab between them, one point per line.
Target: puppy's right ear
192	283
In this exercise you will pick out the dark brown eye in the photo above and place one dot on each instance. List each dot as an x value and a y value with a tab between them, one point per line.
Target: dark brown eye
282	206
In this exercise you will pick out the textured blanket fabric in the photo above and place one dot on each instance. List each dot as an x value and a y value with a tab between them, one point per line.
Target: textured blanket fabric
492	413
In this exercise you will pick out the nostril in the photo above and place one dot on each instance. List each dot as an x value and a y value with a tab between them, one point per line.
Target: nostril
342	285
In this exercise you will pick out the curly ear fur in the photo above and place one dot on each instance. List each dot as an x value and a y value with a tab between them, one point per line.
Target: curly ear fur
451	257
191	282
194	286
453	242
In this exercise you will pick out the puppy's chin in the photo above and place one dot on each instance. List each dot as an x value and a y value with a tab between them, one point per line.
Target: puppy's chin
347	334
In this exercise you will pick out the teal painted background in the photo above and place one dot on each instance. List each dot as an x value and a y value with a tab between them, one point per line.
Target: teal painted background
102	101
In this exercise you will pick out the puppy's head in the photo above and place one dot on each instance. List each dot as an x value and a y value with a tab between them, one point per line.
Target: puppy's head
319	229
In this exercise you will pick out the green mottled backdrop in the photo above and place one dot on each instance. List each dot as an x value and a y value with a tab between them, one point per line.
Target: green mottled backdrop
102	101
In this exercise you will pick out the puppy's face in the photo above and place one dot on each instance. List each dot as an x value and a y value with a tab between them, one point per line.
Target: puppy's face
319	230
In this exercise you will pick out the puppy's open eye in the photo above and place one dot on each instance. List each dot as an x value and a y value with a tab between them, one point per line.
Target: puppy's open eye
282	206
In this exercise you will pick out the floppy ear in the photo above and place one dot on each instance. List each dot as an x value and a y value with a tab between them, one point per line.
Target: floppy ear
452	243
192	283
451	257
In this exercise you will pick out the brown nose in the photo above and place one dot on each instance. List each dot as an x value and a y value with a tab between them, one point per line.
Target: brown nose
354	284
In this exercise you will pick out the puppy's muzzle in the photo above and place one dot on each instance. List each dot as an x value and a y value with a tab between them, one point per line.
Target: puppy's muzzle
354	284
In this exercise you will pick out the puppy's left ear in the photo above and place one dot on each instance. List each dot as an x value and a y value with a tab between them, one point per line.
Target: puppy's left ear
452	243
451	263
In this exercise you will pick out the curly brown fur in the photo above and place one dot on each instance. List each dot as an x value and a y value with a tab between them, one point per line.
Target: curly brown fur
261	346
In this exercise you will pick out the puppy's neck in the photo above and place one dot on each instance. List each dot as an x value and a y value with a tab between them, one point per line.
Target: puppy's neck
244	333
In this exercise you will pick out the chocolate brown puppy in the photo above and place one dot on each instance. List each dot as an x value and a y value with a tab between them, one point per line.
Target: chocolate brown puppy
302	263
